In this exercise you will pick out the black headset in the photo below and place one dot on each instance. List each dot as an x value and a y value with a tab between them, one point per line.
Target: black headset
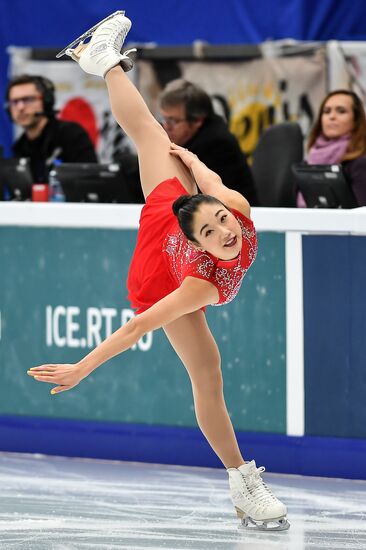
45	87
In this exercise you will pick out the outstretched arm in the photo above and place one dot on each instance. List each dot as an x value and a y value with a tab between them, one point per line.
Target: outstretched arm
209	182
192	295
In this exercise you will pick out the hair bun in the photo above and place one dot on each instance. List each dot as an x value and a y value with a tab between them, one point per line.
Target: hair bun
180	202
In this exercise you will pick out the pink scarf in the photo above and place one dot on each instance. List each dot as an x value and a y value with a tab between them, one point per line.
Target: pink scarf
328	151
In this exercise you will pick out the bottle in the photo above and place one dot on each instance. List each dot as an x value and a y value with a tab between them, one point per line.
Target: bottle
56	193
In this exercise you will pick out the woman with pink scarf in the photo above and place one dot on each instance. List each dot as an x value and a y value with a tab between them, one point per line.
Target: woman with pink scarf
339	137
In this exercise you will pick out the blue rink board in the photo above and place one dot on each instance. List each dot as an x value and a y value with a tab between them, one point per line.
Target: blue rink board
318	456
334	335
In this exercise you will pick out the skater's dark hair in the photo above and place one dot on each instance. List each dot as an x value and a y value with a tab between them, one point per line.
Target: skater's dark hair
186	206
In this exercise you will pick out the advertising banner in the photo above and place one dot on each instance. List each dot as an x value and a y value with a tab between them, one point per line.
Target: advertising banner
64	291
251	95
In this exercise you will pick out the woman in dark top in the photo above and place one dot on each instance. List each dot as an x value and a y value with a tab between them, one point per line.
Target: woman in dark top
339	137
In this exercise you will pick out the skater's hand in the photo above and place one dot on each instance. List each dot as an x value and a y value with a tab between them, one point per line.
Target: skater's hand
185	156
67	376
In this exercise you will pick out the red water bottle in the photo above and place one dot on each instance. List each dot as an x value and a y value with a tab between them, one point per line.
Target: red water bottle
40	192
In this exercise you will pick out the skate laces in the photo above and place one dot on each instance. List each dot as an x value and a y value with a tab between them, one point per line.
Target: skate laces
258	489
117	37
112	35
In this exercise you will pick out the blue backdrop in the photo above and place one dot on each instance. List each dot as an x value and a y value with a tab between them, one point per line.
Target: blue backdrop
41	23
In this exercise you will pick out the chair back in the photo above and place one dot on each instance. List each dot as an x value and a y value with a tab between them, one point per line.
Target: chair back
279	147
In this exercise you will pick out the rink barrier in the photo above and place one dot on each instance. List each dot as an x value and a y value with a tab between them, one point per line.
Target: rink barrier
293	368
307	455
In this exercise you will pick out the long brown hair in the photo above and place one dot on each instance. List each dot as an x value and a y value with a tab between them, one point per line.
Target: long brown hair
357	145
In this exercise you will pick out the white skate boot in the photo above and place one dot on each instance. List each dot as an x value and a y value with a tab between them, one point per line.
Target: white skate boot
103	52
253	501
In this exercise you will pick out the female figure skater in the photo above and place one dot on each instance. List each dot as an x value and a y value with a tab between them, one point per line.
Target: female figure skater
183	261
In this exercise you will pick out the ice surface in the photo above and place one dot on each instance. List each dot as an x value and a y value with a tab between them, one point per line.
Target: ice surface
49	503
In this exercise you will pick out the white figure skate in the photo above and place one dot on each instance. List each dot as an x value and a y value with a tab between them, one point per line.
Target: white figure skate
254	502
103	52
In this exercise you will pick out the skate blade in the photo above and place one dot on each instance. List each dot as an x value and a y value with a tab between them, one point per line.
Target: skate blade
281	524
88	33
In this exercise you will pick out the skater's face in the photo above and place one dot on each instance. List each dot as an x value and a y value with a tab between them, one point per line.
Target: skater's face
25	105
217	231
337	117
174	121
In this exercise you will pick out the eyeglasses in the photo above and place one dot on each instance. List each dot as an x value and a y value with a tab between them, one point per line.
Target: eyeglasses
27	100
171	121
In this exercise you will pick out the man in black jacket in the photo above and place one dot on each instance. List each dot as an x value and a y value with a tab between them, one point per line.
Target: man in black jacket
190	121
30	104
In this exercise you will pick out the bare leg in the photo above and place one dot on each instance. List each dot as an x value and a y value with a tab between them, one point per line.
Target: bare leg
191	338
151	140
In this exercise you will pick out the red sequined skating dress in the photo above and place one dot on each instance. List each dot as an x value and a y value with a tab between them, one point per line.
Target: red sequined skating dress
163	257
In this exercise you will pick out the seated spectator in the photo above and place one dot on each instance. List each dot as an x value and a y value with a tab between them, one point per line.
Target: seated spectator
189	119
30	103
339	137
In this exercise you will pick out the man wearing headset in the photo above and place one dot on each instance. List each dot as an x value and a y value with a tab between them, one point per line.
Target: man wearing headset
30	103
189	119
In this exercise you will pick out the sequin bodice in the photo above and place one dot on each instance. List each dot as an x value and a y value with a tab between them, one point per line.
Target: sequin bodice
226	275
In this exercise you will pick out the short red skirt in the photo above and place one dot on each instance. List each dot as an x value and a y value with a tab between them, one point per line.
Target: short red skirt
149	279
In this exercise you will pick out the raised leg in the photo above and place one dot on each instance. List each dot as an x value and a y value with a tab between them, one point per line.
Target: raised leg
102	57
192	340
151	140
